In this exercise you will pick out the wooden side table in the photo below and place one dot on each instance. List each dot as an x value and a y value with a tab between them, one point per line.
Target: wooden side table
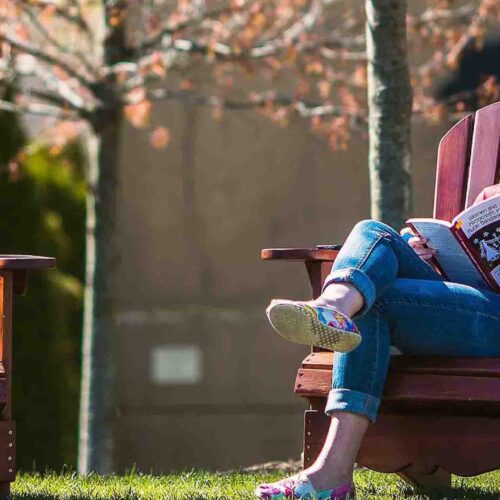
13	279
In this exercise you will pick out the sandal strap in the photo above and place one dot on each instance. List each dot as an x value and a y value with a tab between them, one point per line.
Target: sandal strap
302	489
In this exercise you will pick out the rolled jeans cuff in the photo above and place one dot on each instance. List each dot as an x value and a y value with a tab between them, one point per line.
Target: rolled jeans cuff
353	402
360	280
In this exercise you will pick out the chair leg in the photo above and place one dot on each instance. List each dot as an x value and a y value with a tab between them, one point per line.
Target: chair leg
438	479
7	457
315	429
7	425
4	490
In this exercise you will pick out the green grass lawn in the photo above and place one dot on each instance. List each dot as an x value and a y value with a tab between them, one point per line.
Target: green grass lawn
198	485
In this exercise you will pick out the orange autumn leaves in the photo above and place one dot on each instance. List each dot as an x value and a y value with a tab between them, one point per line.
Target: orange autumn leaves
284	58
139	112
160	138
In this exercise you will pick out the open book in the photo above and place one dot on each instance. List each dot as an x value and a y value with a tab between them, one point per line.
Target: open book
468	247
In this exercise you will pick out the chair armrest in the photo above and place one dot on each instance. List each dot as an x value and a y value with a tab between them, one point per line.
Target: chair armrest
327	253
19	265
26	262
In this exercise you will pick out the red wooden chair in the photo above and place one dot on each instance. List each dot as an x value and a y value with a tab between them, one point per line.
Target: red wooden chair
13	278
439	415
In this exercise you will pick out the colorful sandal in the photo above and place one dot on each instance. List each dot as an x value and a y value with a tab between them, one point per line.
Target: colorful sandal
302	489
319	326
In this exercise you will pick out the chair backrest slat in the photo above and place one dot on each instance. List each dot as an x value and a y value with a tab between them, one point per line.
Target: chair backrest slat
468	161
452	166
484	161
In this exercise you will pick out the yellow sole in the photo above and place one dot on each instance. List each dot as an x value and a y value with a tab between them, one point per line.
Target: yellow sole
297	323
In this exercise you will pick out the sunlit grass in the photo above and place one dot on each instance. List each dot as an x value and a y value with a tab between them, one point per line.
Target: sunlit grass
198	485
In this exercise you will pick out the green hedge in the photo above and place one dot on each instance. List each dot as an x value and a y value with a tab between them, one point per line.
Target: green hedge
42	211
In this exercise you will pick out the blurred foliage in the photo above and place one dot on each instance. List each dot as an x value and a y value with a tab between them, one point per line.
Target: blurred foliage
42	207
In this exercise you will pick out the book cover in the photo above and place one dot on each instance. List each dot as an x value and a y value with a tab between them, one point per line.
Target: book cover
468	247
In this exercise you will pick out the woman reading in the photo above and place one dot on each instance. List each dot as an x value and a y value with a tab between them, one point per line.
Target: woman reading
381	292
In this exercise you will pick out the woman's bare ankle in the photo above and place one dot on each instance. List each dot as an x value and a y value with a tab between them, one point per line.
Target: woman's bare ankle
327	478
343	297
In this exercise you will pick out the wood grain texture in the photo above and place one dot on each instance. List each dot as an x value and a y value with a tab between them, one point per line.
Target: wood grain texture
20	281
317	272
427	391
484	157
465	446
306	254
27	262
452	166
13	276
7	426
438	365
7	451
450	390
2	329
4	394
6	296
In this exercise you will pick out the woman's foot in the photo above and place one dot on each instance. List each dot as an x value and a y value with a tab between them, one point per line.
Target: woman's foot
309	485
311	324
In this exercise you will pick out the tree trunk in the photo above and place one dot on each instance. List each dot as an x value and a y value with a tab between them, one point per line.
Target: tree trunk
98	399
389	101
97	404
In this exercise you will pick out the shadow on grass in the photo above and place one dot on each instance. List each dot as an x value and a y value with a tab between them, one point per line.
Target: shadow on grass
452	493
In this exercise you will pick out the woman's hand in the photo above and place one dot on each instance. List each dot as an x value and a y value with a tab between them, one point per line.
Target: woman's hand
487	192
419	245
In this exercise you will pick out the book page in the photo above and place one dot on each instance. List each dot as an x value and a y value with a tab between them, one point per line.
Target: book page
452	258
481	226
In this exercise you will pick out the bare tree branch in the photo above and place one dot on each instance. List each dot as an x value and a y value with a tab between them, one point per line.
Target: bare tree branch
76	20
47	58
462	12
55	86
305	109
53	41
156	39
225	53
62	88
342	55
36	109
332	49
55	99
327	47
268	48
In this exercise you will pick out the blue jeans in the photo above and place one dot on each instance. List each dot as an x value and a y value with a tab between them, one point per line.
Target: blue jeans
408	305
